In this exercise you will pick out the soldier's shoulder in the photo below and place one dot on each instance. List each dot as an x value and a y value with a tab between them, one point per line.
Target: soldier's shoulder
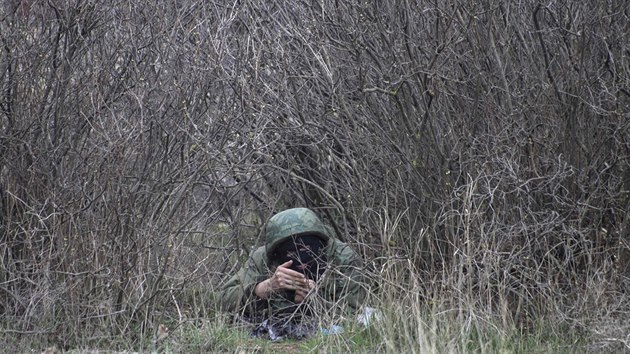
258	256
258	250
343	252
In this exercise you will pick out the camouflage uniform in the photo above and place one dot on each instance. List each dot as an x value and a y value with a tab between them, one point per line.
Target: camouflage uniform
343	279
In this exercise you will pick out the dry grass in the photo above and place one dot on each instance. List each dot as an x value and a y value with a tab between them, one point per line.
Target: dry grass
476	154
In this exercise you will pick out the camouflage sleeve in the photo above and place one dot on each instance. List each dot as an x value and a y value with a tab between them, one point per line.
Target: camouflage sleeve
351	282
238	292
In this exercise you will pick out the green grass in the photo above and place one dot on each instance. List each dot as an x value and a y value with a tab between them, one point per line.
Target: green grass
431	333
212	337
387	336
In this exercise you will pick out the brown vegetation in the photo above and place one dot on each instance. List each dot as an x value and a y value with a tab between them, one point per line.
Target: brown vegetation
143	144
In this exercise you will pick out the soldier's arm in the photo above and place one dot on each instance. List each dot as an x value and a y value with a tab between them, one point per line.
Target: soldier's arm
238	292
352	283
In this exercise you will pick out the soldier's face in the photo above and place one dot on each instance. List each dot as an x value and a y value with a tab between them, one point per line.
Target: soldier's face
306	254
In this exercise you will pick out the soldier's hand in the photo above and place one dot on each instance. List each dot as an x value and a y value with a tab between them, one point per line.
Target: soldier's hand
300	294
286	278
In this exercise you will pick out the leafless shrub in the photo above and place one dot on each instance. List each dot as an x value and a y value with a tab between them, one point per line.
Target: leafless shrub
143	145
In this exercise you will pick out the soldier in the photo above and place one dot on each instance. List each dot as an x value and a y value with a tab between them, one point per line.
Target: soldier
301	258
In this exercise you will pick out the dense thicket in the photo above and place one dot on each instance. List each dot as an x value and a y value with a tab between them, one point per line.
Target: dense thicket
143	144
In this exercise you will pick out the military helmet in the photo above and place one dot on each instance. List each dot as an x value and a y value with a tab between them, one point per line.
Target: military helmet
293	222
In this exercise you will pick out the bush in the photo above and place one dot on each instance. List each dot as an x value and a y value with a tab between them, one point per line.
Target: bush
142	147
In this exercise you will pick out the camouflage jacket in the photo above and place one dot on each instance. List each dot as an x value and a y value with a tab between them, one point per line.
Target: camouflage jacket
342	283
